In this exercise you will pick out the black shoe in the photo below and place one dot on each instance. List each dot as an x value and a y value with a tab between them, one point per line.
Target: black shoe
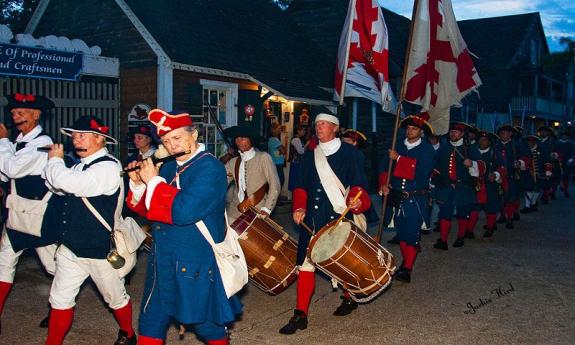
297	321
403	275
501	219
470	235
516	217
426	232
394	240
509	224
534	208
488	233
44	323
346	307
440	244
526	210
123	339
459	242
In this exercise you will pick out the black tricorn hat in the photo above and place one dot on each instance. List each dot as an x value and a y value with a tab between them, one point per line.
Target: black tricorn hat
28	101
420	120
489	135
243	132
506	127
90	124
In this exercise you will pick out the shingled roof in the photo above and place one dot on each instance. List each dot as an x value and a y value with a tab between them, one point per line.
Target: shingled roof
322	20
249	36
496	41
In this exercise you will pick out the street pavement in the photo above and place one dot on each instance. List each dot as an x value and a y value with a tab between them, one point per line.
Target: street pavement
515	288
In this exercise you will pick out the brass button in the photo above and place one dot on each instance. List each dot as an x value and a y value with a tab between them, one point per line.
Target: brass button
183	269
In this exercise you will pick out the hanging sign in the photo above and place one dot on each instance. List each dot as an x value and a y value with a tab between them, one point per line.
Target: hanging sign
32	62
249	111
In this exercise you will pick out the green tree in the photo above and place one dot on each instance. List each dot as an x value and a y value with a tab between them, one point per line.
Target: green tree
17	13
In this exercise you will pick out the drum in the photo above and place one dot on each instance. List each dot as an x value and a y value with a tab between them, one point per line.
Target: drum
352	258
270	252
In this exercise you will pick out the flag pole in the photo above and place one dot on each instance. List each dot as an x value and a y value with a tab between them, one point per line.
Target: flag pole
349	32
397	116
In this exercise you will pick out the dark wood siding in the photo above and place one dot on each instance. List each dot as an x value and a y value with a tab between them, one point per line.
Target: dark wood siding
99	23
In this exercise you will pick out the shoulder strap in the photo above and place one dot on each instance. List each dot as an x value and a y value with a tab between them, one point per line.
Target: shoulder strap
96	214
237	172
204	230
105	158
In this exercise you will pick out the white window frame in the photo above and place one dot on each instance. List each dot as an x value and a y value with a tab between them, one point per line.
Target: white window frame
231	90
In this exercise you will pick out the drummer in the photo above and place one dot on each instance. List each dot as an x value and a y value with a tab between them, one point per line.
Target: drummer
253	173
413	164
317	200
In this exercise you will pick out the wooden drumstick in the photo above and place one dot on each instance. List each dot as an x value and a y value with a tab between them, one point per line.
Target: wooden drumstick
347	208
305	226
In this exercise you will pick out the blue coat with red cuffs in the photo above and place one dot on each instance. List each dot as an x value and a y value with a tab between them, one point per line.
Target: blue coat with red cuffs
411	173
183	279
310	195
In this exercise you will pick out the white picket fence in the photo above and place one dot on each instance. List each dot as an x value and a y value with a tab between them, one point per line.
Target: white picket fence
72	100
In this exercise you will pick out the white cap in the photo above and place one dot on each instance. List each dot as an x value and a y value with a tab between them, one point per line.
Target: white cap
327	117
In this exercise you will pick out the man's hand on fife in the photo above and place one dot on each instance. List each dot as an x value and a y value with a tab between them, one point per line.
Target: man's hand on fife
148	170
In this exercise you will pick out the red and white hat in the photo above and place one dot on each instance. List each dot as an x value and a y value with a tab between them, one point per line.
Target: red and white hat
166	122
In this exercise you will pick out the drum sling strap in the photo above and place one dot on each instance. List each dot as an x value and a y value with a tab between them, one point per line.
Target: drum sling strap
253	199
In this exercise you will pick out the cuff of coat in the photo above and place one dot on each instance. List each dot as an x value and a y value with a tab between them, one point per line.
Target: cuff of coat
382	180
299	199
364	198
405	168
138	206
161	203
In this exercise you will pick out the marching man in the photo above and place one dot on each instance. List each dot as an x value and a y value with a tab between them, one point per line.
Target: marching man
318	200
93	196
183	281
22	164
253	173
413	163
456	167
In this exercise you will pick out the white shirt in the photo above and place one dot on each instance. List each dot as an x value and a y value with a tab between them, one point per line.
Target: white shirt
28	160
244	157
102	178
296	142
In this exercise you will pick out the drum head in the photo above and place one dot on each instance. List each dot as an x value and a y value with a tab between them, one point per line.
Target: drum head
330	242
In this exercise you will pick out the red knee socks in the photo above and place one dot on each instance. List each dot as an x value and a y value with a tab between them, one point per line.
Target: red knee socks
409	254
4	291
463	224
473	217
124	318
508	210
491	219
143	340
305	288
60	323
444	227
224	341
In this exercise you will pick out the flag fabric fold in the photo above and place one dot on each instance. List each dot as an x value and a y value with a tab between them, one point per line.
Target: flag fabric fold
440	71
363	56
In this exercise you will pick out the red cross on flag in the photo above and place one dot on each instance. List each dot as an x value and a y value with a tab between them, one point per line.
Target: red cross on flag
440	71
362	57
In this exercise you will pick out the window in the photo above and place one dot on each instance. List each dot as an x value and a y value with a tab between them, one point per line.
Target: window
220	99
534	52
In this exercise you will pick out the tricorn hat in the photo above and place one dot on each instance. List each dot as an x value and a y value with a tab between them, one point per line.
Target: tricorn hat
420	120
489	135
166	122
354	135
243	132
460	126
29	101
90	124
506	127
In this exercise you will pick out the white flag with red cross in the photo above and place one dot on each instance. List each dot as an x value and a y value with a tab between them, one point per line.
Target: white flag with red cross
440	71
363	54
